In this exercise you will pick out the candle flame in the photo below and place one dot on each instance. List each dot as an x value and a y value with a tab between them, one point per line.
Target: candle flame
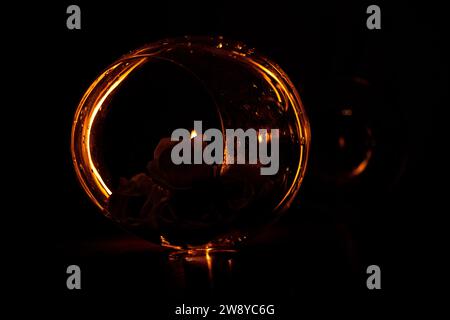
264	137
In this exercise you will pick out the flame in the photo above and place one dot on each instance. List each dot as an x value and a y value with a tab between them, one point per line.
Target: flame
264	137
193	134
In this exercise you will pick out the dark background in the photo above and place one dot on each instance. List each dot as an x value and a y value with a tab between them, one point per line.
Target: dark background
395	80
